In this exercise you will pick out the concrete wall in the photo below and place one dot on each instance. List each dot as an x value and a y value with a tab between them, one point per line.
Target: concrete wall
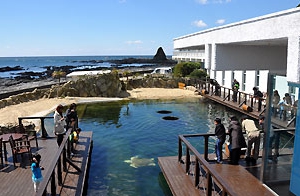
232	57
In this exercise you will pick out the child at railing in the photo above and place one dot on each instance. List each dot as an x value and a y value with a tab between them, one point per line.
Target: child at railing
36	171
73	138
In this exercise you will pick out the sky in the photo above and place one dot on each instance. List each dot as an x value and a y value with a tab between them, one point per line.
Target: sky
116	27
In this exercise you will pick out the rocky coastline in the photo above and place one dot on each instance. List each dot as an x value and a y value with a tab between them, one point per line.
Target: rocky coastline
30	79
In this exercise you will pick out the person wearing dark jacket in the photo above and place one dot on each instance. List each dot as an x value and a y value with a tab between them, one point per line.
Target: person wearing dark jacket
71	117
221	136
236	140
259	96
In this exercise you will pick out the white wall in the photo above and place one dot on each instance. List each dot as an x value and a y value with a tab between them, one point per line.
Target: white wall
243	57
272	26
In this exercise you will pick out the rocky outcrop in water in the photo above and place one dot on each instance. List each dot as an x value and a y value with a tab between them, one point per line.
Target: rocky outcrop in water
7	68
160	55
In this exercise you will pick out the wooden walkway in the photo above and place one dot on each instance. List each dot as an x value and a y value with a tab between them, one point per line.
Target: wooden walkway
181	184
17	181
282	124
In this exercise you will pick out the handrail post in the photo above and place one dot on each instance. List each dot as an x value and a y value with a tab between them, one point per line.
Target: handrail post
229	90
252	105
197	171
187	161
59	171
20	121
209	184
179	149
53	185
64	159
206	148
44	132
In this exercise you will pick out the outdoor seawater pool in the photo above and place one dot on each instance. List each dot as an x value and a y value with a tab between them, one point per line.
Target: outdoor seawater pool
129	136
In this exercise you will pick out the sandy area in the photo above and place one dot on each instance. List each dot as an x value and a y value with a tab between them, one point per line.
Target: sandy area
42	107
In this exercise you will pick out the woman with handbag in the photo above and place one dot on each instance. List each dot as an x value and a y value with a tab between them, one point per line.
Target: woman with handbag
236	140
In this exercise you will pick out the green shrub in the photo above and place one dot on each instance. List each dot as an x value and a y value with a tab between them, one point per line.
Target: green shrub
184	69
198	73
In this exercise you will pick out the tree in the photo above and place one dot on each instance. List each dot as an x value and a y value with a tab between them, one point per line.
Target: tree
126	74
198	73
58	74
184	69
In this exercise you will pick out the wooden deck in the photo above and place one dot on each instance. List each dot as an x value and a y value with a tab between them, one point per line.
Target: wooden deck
181	184
17	181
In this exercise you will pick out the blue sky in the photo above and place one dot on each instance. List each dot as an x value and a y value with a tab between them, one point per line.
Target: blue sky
116	27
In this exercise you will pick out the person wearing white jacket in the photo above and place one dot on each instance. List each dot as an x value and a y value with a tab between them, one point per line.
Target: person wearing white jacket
59	124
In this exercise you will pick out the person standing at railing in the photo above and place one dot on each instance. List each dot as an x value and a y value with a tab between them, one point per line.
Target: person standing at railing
217	87
253	135
274	138
275	101
283	105
259	96
72	117
221	136
59	124
236	140
235	89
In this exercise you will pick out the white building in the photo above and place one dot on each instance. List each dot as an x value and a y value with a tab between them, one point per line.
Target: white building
249	51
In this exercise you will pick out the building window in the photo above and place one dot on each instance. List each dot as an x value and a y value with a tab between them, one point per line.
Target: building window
257	78
244	81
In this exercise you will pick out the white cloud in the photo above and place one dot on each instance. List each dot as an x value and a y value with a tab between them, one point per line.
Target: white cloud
199	23
134	42
220	21
201	1
122	1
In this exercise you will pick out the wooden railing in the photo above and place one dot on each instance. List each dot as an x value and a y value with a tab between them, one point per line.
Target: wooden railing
226	93
205	175
59	163
56	168
42	118
203	162
244	100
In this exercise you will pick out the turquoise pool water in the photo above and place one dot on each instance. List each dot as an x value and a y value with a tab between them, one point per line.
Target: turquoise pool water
129	136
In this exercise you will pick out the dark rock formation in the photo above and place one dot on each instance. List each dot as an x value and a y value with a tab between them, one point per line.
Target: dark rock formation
7	68
160	55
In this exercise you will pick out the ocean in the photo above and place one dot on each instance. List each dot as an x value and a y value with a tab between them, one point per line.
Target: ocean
39	64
